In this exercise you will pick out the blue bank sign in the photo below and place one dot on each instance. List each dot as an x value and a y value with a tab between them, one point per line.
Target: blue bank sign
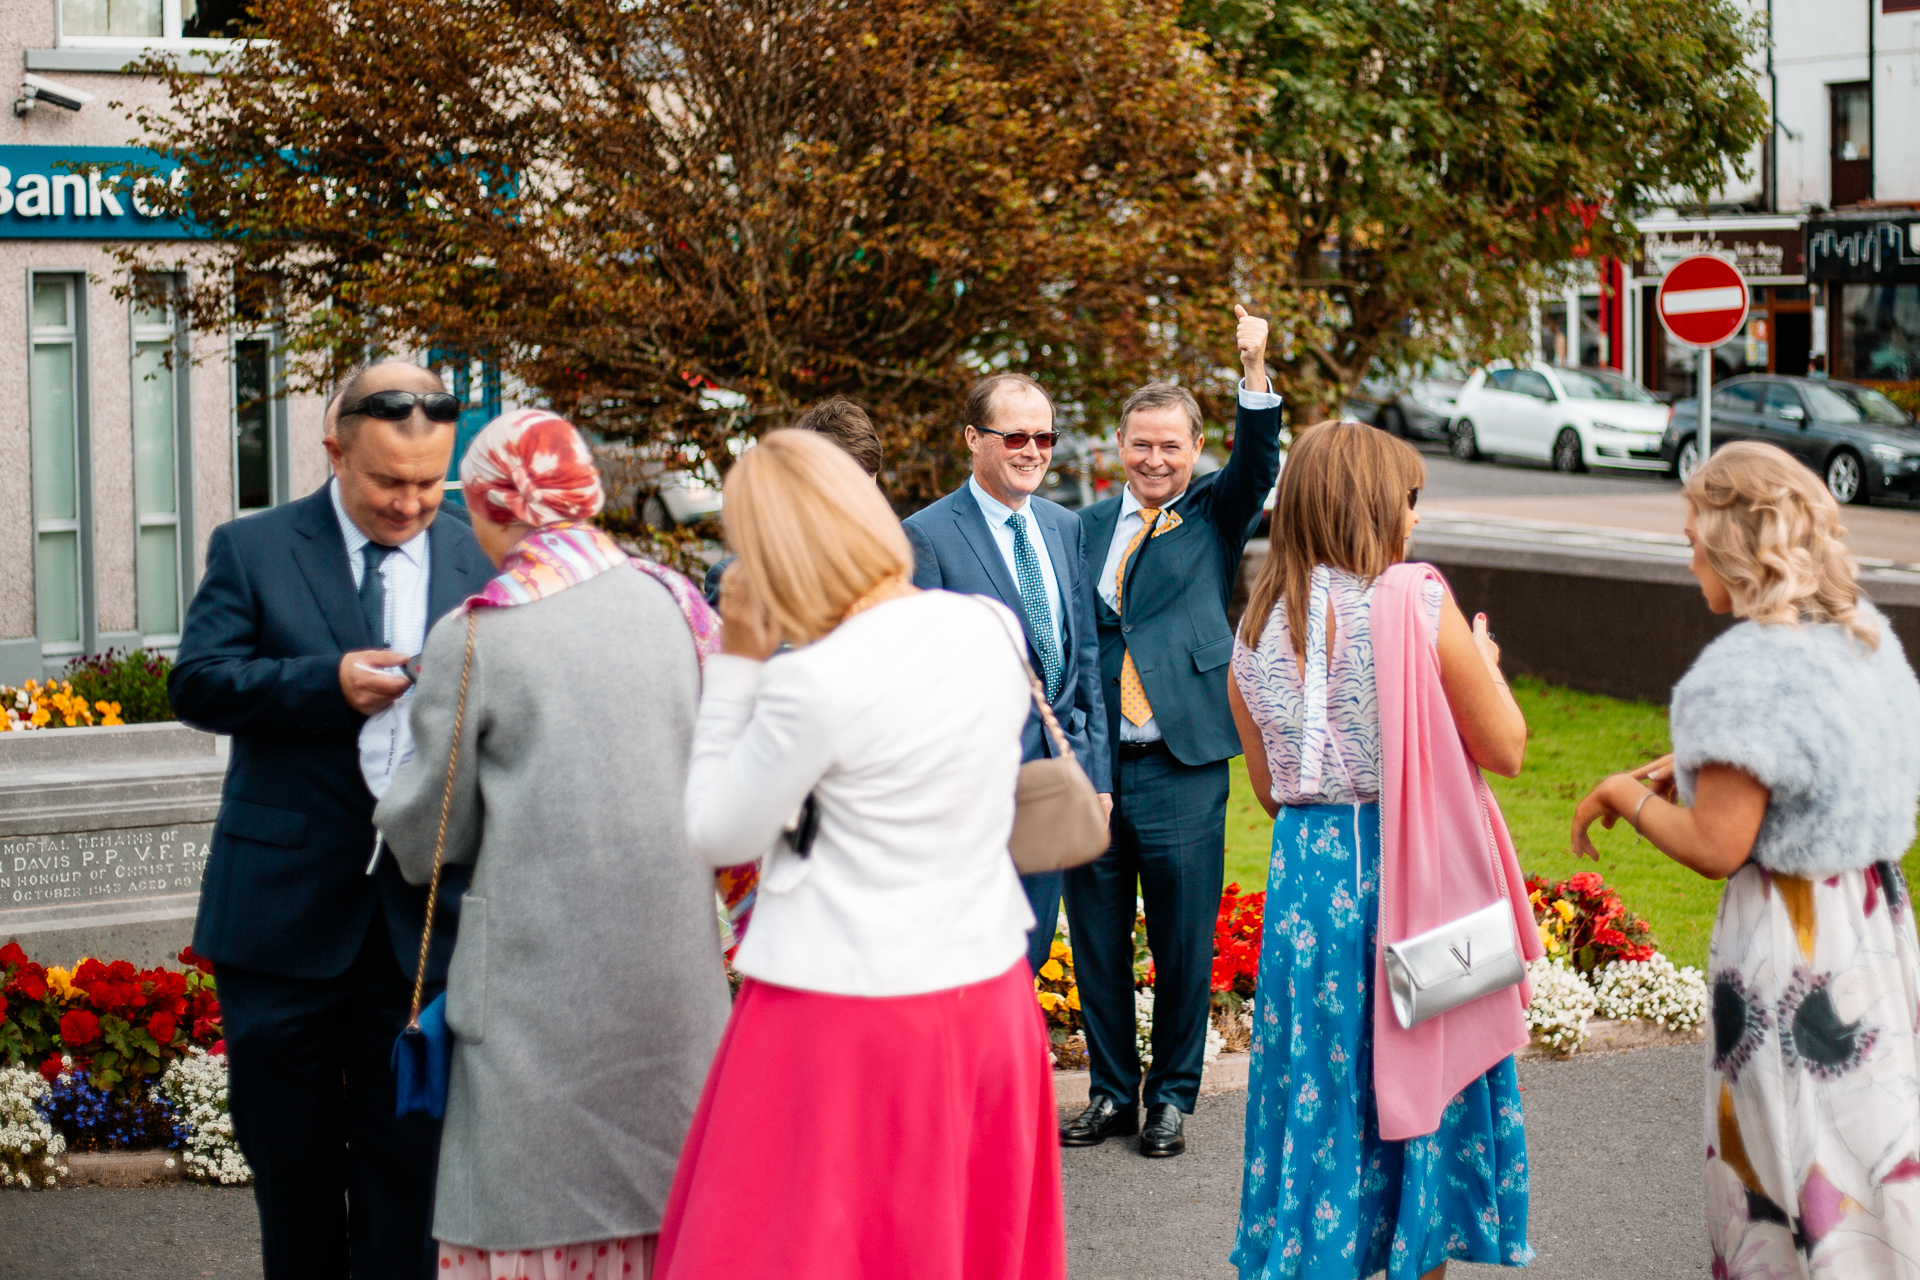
85	193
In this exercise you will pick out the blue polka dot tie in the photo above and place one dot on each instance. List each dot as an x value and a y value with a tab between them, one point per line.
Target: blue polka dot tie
1033	602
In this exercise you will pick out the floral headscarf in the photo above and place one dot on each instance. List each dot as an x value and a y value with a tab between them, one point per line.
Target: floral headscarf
531	466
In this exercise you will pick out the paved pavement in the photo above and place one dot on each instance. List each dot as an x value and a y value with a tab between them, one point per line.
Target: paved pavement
1613	1141
1888	532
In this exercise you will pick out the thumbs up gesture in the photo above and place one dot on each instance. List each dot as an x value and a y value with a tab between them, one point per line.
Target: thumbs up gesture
1250	335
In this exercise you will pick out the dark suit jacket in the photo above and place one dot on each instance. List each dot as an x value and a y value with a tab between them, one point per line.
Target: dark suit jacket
285	890
1177	589
953	549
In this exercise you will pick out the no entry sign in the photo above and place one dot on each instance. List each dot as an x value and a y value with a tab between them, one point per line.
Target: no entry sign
1703	301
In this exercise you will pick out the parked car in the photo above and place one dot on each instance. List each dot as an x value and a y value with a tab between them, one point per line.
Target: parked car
1574	418
1858	441
1419	408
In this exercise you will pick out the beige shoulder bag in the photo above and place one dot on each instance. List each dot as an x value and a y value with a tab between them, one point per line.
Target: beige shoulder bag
1057	819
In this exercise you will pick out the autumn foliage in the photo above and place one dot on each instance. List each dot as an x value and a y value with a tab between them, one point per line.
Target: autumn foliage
683	223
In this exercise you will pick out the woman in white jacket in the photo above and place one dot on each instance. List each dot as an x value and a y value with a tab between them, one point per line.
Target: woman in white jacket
881	1104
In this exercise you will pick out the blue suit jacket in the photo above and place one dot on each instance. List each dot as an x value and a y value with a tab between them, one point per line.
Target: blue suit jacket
953	549
1177	589
286	889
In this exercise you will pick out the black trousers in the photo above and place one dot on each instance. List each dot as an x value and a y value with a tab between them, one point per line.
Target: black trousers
1169	839
344	1188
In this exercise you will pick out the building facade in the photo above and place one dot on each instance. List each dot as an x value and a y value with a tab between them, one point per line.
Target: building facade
1825	226
128	438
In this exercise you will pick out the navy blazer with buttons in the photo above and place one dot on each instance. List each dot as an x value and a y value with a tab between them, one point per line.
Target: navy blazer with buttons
953	549
286	890
1177	590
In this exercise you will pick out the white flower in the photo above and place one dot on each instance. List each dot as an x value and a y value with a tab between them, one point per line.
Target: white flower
196	1085
1143	1031
1652	990
1562	1003
26	1138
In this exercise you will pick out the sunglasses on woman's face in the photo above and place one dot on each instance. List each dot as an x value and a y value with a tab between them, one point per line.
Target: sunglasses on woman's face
397	406
1413	499
1017	440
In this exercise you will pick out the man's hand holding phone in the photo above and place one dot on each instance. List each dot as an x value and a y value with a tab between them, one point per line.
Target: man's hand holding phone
372	679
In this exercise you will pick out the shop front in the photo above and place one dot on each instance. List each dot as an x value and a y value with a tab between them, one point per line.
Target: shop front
1784	324
1867	267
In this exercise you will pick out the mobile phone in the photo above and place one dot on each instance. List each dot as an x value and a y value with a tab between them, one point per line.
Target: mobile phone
411	669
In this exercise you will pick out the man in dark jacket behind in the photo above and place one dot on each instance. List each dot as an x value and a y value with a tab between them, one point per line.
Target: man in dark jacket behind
290	646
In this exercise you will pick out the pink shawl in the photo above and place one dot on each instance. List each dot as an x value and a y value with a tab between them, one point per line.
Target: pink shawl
1434	867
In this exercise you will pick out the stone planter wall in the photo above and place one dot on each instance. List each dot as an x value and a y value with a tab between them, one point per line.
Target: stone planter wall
103	836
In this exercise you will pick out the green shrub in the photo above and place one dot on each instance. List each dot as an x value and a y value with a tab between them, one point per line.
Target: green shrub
137	681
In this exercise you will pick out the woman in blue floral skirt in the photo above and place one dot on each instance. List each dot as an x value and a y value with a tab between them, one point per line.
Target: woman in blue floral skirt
1323	1196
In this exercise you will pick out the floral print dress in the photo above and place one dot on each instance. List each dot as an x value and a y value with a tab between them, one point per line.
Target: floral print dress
1322	1195
1813	1087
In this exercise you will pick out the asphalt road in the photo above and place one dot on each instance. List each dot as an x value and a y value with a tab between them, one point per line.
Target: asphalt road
1448	477
1613	1141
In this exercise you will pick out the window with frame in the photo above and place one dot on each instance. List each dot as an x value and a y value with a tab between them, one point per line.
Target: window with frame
158	377
59	491
119	22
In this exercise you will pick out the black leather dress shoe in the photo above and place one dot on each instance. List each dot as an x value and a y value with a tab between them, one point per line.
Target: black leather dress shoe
1104	1118
1165	1134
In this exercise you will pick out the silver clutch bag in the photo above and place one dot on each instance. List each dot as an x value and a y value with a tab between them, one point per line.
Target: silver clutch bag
1464	959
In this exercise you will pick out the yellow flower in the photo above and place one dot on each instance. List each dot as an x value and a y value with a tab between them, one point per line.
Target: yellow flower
60	981
1049	1001
1073	999
1565	909
40	717
1053	971
1059	948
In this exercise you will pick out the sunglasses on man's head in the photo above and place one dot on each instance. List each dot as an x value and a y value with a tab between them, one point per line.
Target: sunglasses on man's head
397	406
1017	440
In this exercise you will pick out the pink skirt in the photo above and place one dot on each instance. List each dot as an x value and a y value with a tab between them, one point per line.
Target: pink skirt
843	1137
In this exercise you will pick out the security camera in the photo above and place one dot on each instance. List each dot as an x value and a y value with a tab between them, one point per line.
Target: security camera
40	89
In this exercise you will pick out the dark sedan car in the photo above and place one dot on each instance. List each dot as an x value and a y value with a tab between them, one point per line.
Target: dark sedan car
1858	441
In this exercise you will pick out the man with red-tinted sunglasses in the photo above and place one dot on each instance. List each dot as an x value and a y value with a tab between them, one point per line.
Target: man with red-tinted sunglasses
995	537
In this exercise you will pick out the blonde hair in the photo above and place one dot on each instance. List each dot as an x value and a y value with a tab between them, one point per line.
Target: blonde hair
812	532
1772	532
1343	502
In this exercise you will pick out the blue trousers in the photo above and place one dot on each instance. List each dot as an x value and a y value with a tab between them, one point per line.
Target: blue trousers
344	1187
1043	895
1169	850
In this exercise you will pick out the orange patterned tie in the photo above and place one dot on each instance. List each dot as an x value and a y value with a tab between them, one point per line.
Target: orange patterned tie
1133	695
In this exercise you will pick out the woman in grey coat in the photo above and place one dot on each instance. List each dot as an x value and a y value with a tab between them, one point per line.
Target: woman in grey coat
587	991
1796	745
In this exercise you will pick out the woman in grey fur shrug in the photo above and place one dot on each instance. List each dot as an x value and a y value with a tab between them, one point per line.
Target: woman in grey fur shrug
1796	740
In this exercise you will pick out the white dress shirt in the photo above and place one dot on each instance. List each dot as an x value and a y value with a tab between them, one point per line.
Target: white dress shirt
1123	531
1000	518
903	723
386	739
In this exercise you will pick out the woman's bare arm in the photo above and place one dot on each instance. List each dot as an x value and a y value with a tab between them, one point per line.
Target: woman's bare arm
1489	720
1715	837
1254	747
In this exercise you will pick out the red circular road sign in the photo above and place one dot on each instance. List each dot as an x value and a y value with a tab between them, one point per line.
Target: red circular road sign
1703	300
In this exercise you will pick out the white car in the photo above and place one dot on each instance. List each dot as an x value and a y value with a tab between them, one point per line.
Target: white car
1574	418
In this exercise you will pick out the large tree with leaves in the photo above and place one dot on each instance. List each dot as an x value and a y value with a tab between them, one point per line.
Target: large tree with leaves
681	221
1438	162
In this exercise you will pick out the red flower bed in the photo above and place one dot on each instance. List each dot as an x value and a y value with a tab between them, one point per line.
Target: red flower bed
1584	920
1236	945
120	1025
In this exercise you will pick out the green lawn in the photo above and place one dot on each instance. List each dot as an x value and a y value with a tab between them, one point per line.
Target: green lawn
1574	740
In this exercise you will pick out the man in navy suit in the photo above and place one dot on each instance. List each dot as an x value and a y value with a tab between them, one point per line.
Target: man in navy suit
1163	556
288	647
992	537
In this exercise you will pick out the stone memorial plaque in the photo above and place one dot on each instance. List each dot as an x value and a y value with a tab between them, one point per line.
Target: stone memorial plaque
88	867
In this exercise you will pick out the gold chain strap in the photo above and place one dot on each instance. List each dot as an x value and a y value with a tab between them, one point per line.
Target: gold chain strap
440	841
